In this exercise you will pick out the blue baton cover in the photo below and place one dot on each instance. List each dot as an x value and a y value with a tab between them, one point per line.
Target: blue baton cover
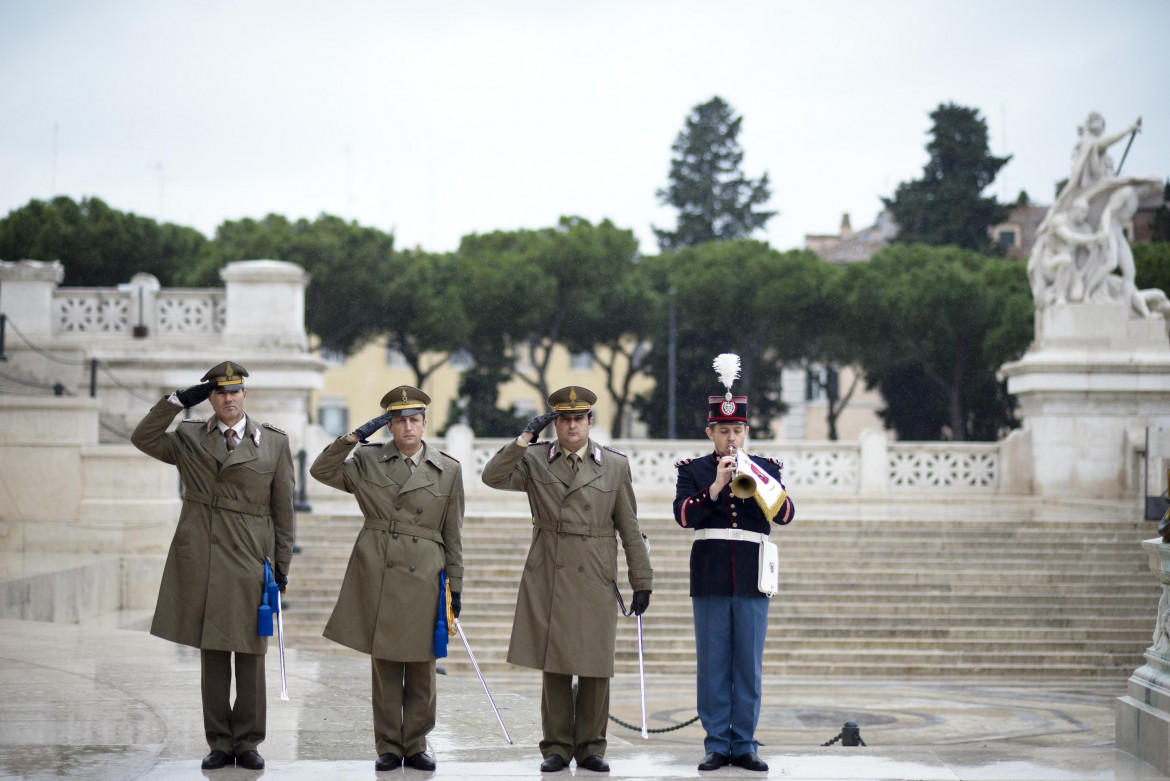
265	611
441	621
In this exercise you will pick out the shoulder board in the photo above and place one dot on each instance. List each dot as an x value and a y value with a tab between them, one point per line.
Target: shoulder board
777	461
448	455
615	450
682	462
271	427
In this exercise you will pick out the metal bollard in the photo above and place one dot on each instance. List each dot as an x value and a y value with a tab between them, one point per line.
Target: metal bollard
851	734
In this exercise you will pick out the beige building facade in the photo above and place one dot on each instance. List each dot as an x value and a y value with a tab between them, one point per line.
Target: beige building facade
352	387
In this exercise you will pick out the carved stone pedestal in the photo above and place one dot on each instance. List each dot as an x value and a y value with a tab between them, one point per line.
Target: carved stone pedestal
1143	714
1088	387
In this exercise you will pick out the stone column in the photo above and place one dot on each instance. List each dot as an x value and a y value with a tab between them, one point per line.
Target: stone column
1143	714
265	301
26	294
1094	371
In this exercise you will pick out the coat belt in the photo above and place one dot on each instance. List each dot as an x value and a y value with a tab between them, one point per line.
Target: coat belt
730	534
402	527
224	503
568	527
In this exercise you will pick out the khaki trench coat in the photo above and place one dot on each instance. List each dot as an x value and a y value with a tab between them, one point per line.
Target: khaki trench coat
566	610
389	599
237	511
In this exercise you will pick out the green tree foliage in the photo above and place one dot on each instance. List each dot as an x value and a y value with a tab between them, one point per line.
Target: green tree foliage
98	246
742	297
528	291
932	325
946	206
352	270
715	201
1153	265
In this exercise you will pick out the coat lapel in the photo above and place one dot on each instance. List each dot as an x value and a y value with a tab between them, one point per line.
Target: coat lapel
246	449
212	442
423	475
588	471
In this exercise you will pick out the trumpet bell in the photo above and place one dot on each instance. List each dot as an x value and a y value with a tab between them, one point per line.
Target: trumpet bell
743	486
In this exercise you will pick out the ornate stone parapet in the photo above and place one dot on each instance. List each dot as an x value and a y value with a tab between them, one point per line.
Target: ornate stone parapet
1143	714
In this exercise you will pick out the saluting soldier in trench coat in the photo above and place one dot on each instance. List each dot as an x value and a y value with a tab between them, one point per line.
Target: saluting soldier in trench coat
582	497
411	495
237	512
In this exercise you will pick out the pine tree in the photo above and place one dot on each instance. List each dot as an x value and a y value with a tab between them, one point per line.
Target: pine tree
946	206
715	201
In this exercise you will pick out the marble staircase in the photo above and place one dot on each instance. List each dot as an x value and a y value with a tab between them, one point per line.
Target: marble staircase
932	593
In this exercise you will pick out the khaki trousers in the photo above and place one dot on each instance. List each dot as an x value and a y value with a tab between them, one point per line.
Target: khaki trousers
575	730
404	705
236	728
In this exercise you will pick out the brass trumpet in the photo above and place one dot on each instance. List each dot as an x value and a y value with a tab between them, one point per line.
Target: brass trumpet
743	485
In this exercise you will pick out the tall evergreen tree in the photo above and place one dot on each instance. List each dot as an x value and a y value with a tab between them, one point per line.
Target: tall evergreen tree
946	206
715	201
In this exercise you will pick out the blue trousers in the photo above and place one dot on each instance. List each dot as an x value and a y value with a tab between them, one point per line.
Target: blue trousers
729	644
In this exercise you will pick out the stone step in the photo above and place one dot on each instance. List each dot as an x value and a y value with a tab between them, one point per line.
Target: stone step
972	596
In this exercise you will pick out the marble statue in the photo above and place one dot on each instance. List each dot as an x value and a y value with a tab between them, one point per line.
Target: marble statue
1081	252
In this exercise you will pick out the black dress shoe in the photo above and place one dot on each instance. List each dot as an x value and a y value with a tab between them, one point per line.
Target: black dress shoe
594	763
750	761
420	761
387	761
217	759
552	763
714	761
250	760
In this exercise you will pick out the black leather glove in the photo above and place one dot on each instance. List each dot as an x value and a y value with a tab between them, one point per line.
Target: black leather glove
456	604
282	579
640	603
370	427
537	424
196	394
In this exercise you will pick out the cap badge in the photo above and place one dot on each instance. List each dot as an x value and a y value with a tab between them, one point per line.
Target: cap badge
404	399
572	395
229	369
727	407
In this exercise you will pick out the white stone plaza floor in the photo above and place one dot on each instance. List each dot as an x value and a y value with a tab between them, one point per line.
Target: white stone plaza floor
104	700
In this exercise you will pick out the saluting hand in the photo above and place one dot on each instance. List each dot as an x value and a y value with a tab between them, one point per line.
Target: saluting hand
537	424
370	427
196	394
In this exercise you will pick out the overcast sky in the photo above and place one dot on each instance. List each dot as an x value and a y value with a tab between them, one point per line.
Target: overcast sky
435	120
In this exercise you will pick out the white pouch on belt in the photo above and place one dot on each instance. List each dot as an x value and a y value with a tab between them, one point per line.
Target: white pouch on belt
769	578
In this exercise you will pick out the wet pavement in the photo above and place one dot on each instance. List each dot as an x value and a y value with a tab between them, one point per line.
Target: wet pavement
105	700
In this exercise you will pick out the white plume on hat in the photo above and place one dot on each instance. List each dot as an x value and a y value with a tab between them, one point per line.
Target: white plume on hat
727	367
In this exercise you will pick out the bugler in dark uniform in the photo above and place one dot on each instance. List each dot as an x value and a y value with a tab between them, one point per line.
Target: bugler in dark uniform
237	512
411	495
731	614
582	498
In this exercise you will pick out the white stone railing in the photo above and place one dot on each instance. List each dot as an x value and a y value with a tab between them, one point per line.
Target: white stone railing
194	311
836	467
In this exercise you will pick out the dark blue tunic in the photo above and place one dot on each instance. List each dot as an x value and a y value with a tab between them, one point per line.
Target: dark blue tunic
722	568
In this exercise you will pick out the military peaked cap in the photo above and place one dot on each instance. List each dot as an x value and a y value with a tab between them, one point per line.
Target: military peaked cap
227	375
404	401
572	399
